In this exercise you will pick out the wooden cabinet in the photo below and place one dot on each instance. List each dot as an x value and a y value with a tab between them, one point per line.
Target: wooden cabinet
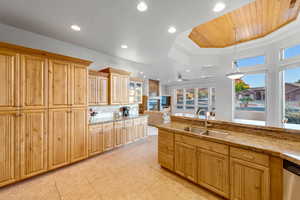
124	84
59	83
78	136
95	139
34	82
119	133
108	136
186	161
249	181
136	128
128	129
34	142
9	147
79	85
98	89
166	149
114	89
9	82
135	90
213	171
59	137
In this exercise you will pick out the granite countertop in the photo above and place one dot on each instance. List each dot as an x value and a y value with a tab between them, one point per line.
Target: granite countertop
101	120
283	148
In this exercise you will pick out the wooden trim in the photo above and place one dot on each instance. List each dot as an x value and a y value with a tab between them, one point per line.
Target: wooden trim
22	49
115	71
136	79
276	178
98	73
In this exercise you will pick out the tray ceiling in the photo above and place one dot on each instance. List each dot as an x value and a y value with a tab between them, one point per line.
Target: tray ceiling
252	21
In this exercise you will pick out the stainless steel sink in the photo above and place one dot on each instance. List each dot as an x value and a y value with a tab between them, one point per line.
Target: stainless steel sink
202	131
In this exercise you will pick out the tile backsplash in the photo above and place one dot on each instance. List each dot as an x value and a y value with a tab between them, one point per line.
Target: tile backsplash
108	111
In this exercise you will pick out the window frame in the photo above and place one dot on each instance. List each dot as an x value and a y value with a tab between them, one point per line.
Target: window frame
282	49
251	56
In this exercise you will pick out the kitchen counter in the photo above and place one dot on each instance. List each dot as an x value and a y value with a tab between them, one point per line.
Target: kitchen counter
99	120
284	148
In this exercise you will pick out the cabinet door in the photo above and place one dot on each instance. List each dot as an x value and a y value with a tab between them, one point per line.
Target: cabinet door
59	137
186	161
119	133
249	181
213	171
34	82
136	123
34	142
59	84
95	139
103	91
93	90
79	85
128	130
9	147
108	136
78	134
114	89
9	71
124	81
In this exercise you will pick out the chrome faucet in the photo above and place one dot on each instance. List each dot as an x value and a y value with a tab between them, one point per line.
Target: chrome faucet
206	114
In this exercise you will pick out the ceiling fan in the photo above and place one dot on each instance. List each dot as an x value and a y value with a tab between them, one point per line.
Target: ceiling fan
180	78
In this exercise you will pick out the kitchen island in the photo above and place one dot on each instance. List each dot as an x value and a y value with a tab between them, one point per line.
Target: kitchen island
233	160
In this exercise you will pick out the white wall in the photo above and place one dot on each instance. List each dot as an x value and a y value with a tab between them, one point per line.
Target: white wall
100	60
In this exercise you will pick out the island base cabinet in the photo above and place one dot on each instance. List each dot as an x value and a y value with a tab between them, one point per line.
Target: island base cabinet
213	171
9	140
186	161
34	142
166	149
249	181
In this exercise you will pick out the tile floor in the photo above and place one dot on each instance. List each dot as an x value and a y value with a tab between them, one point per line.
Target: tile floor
127	173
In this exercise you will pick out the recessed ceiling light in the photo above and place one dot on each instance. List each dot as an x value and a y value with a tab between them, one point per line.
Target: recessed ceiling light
144	76
141	72
219	7
187	70
124	46
142	6
172	29
75	27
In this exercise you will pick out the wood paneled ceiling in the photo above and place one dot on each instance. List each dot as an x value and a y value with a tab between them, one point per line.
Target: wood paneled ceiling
252	21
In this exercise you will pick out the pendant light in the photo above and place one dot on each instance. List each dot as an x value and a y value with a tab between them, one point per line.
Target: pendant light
236	74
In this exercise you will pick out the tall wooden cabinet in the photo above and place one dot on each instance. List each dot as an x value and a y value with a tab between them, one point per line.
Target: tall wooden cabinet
43	111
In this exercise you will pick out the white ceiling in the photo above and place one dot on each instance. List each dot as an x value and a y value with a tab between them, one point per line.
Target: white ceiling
106	24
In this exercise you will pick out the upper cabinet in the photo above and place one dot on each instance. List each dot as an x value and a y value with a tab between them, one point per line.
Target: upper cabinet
9	67
136	90
118	86
34	80
98	88
79	85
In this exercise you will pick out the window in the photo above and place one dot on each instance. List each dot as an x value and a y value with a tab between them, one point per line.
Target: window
213	99
291	52
250	95
292	98
190	99
179	98
203	98
251	61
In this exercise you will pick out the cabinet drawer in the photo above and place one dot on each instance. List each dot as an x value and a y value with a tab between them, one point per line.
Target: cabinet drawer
251	156
164	135
166	160
95	127
211	146
167	149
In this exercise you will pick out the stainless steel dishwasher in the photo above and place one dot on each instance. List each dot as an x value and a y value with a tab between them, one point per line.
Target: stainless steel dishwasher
291	181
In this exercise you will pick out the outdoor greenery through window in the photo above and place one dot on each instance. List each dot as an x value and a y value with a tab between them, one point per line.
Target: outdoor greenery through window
203	98
250	95
190	99
291	52
251	61
292	97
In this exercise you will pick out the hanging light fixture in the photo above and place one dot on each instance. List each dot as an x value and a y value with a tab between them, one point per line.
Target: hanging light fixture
236	74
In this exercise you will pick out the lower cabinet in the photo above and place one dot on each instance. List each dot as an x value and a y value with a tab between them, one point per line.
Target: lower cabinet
128	131
249	181
213	171
108	136
119	133
34	142
95	139
166	149
59	137
9	143
186	161
79	134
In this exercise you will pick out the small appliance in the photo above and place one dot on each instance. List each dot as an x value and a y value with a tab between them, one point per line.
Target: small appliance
125	111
